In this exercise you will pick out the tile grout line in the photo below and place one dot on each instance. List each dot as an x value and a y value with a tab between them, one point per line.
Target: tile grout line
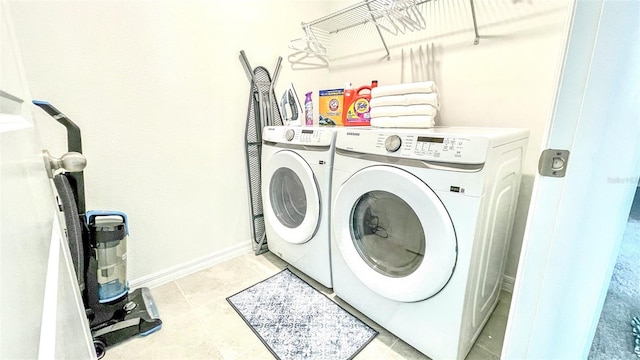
487	349
184	295
192	308
259	343
253	266
392	344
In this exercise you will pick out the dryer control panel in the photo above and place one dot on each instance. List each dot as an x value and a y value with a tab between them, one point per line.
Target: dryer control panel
416	144
299	135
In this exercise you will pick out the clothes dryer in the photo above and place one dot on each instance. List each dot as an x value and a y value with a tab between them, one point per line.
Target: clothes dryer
296	190
421	222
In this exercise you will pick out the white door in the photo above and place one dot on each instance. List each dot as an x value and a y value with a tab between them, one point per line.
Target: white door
394	233
41	312
576	223
292	204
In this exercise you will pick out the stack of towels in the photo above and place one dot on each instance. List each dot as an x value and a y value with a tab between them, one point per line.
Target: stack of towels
411	105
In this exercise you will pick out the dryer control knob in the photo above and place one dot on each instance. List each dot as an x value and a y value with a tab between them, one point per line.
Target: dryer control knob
392	143
289	134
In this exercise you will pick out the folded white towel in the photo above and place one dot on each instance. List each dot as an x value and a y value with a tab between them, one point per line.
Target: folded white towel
406	99
384	111
416	121
402	89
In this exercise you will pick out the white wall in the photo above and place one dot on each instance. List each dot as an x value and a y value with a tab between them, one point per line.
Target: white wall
161	97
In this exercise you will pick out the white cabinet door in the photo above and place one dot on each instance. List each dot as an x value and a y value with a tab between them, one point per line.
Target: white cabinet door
41	310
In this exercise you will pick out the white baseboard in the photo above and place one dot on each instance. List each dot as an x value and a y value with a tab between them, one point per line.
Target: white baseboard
176	272
508	283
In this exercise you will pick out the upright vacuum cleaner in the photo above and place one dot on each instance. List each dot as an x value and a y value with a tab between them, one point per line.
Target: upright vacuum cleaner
98	246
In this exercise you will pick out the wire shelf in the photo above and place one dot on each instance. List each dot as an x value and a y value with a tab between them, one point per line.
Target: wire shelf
352	16
371	15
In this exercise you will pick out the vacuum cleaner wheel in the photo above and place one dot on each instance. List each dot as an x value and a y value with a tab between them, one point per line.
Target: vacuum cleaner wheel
101	348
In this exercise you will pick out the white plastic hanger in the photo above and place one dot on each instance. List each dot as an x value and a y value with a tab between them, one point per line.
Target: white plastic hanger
309	43
411	14
401	14
383	13
309	52
304	60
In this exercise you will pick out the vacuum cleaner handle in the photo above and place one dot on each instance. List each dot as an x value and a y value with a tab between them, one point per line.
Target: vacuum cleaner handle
95	213
74	144
74	138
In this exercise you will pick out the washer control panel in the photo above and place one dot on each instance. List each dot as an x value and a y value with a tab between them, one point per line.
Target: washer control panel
299	135
437	147
429	146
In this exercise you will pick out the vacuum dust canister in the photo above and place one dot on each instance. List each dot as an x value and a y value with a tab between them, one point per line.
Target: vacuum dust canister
109	237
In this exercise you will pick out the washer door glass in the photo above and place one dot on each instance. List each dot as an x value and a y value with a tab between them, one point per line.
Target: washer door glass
291	197
288	199
387	233
394	233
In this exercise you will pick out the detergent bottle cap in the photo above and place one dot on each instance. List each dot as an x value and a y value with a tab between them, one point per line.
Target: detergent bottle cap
308	96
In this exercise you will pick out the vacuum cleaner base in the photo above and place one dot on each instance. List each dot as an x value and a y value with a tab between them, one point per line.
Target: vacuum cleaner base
136	314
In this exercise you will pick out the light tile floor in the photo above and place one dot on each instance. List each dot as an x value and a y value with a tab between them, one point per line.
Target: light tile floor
198	322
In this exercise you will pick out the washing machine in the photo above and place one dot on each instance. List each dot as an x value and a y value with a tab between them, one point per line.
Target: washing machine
296	190
421	222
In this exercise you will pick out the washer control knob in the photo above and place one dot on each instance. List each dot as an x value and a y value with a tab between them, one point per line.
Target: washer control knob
289	134
392	143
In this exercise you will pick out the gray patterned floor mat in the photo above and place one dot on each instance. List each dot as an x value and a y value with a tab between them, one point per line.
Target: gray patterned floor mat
296	321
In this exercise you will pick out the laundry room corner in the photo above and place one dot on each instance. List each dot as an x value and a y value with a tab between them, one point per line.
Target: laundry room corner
161	97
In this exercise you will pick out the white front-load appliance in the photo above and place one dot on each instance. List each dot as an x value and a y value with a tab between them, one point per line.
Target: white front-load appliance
421	222
296	190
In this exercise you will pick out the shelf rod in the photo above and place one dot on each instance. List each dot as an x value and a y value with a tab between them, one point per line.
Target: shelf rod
384	43
349	26
476	41
337	13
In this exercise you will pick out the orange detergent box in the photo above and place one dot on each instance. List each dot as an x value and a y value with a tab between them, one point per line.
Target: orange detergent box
330	105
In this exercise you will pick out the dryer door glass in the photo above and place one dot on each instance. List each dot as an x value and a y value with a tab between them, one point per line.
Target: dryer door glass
288	199
387	234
